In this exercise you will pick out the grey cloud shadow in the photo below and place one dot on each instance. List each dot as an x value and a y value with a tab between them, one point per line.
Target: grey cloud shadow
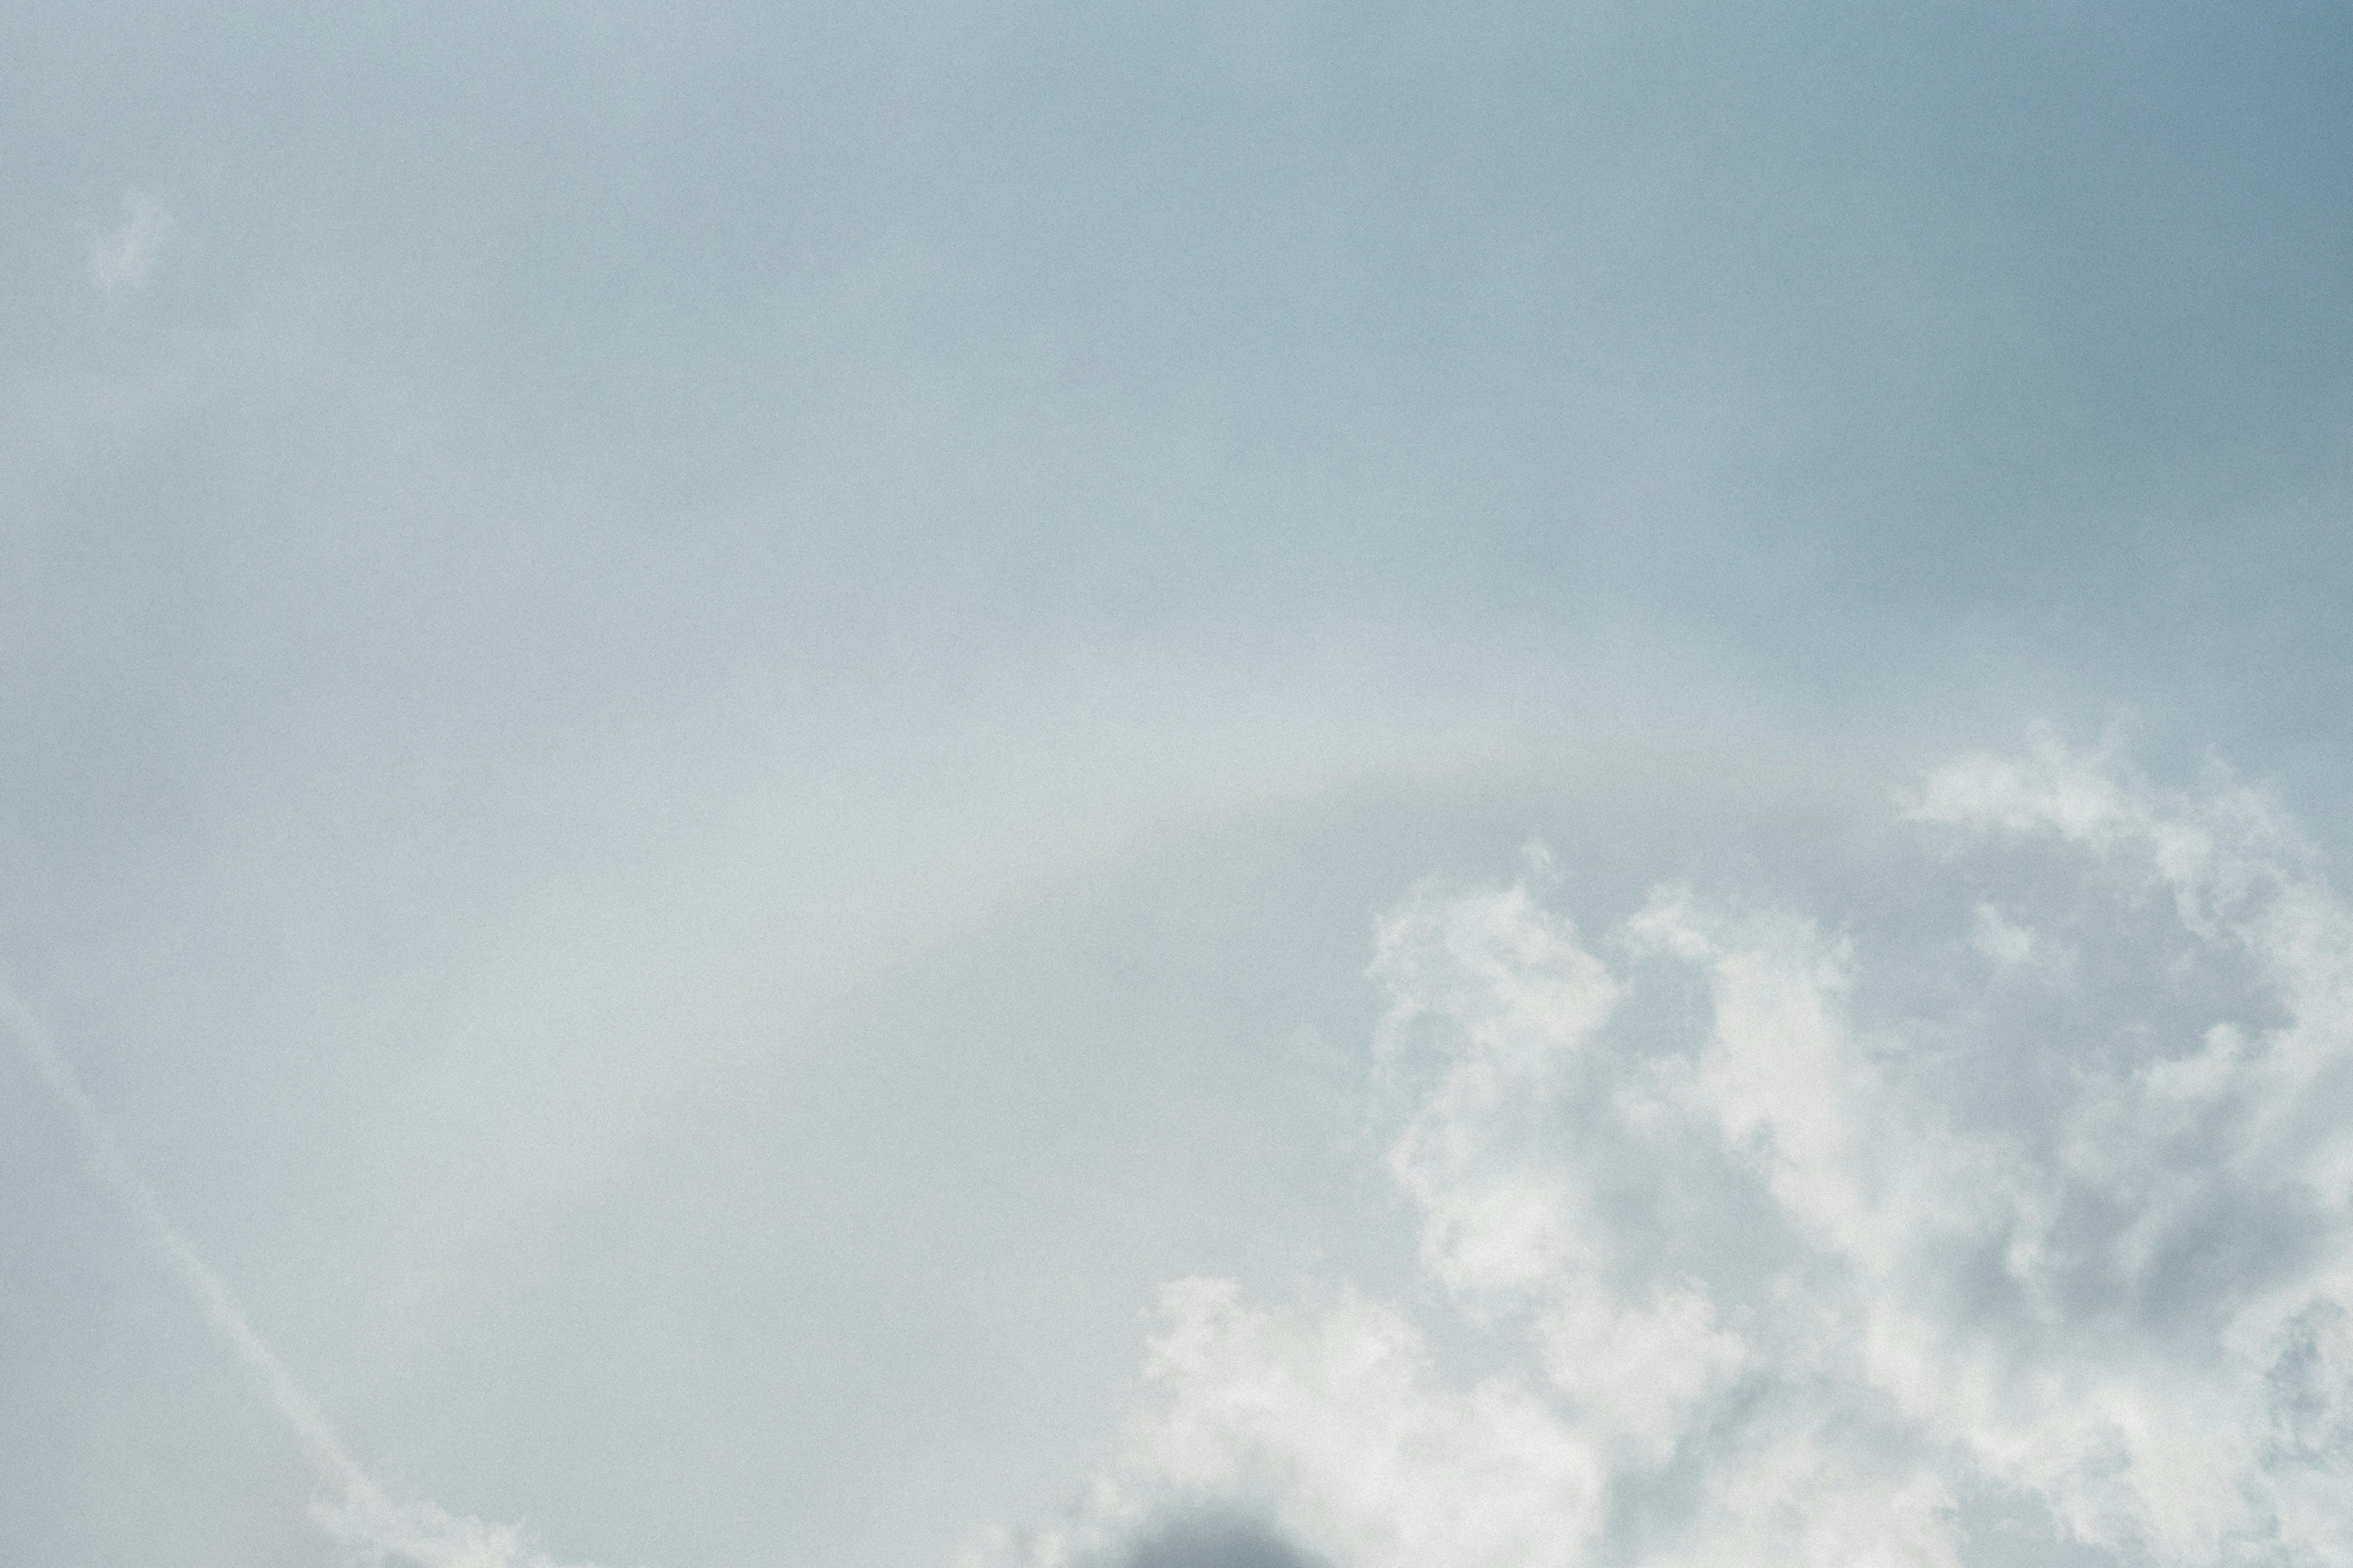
1211	1538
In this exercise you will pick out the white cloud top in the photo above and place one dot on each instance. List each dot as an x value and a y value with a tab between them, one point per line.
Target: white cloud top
1732	1251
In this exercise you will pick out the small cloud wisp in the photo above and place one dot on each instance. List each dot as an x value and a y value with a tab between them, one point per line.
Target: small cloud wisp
124	258
368	1528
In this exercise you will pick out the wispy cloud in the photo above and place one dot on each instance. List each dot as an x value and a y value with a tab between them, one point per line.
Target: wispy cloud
124	258
1766	1268
369	1529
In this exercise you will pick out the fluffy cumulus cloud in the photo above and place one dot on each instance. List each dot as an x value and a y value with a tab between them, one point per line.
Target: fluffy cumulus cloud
2011	1228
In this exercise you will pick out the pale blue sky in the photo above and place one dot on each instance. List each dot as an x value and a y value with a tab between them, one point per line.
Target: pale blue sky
702	708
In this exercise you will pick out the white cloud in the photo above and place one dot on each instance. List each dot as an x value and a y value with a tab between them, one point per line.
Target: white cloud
2009	946
1767	1261
125	257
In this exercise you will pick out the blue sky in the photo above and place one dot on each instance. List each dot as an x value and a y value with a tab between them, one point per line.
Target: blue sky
704	711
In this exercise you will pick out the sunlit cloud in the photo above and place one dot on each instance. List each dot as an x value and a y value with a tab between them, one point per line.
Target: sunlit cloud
1737	1246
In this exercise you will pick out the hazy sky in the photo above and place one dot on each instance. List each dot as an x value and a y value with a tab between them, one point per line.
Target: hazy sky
724	726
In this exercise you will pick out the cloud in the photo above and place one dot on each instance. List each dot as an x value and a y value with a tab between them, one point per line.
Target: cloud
2008	945
1738	1240
368	1528
1212	1540
124	258
371	1532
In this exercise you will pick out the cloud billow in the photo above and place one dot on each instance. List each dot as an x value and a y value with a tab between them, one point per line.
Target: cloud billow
2016	1232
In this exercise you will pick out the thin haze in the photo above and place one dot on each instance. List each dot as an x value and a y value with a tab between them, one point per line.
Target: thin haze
708	712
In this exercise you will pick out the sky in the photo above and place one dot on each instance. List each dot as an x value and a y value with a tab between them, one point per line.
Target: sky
1152	786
